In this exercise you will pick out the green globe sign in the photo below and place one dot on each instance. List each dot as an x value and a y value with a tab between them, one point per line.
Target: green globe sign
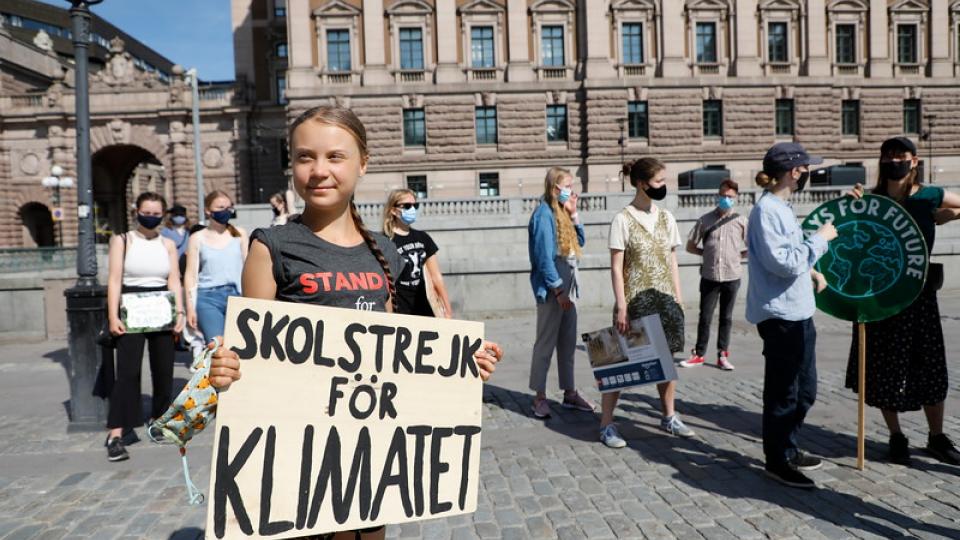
877	265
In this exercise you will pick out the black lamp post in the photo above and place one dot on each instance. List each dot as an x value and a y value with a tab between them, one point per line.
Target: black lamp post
86	301
622	141
928	136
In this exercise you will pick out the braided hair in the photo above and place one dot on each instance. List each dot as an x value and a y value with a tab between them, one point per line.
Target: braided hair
344	118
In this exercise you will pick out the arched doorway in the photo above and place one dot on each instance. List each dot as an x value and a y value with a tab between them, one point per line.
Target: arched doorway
37	225
120	173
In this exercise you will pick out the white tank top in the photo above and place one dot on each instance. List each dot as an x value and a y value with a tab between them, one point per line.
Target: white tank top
147	262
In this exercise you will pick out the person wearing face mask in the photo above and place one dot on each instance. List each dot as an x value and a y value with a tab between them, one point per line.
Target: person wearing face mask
215	258
906	361
646	280
140	261
177	229
720	237
281	203
780	302
419	253
554	241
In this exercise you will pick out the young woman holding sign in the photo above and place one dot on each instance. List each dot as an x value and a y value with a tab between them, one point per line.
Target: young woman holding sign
906	361
329	157
646	280
140	261
418	250
780	302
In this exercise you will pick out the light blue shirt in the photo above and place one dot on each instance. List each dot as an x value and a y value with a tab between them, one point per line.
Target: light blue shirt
779	262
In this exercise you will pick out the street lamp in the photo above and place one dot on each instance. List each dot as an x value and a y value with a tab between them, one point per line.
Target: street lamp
86	301
56	180
622	141
928	136
197	163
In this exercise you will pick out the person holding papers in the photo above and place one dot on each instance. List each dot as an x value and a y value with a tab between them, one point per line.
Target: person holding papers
643	265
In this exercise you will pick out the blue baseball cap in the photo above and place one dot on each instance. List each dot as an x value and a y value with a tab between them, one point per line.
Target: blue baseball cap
785	156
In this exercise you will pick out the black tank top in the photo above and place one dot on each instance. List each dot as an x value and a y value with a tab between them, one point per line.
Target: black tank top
308	269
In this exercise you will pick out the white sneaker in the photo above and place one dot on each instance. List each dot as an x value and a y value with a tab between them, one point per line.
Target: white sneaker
674	426
611	437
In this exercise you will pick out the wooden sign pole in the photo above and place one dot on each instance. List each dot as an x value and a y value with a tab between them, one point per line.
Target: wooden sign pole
861	390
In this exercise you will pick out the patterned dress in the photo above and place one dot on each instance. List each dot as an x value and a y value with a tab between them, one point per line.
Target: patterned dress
648	277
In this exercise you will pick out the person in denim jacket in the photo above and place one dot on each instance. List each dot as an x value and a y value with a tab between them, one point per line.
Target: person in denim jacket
555	238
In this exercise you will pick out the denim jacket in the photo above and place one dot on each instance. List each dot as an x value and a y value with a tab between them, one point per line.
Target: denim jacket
542	247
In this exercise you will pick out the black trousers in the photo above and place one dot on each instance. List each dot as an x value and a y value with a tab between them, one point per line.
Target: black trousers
125	409
789	384
710	291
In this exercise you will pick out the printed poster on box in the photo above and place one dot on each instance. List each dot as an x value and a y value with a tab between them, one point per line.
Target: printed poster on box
639	357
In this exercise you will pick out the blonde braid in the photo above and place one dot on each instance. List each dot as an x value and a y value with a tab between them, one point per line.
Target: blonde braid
374	248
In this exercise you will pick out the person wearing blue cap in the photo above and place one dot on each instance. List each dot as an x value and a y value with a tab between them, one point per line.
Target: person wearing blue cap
780	302
905	355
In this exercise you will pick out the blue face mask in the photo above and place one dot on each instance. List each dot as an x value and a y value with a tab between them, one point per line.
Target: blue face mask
725	203
179	220
223	216
408	215
564	195
149	222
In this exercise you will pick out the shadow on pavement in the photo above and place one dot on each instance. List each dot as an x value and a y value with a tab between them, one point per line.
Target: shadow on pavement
728	473
188	533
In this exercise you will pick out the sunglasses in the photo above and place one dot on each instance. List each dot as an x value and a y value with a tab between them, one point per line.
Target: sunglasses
408	205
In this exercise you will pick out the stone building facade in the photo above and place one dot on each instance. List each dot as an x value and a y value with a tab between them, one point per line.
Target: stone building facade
141	128
465	98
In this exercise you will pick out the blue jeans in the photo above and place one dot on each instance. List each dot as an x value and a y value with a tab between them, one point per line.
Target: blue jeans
212	309
789	384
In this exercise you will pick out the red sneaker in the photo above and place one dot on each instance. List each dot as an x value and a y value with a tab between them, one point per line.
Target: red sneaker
694	360
723	361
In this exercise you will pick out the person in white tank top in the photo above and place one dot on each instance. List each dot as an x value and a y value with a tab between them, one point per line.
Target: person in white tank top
140	261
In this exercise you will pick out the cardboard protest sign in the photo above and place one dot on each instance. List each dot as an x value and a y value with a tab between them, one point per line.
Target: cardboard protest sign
343	419
639	357
144	312
877	265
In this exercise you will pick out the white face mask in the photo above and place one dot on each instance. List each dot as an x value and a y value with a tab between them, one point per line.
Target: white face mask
564	195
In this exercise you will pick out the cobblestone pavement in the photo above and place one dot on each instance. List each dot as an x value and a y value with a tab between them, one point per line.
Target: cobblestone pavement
540	479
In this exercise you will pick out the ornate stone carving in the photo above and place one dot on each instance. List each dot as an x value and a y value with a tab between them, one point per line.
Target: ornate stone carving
119	131
213	157
121	71
29	164
43	41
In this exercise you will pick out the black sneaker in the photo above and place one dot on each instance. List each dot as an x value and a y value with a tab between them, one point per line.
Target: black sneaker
940	447
129	437
899	451
788	476
116	451
802	461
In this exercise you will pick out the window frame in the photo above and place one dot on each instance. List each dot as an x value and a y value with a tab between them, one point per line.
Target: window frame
853	44
719	112
844	132
786	42
482	40
281	46
546	13
918	103
644	13
564	119
329	50
791	110
642	122
641	56
409	14
716	45
280	87
403	55
485	139
336	15
914	47
853	12
555	39
419	194
409	140
490	176
478	14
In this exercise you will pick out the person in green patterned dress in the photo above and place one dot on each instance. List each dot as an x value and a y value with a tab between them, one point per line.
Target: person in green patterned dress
643	266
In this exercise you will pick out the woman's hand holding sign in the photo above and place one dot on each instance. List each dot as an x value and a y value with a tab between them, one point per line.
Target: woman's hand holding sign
225	365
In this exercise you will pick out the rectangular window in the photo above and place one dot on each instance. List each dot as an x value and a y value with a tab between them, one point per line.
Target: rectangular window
846	43
481	47
414	127
279	9
282	49
632	43
556	123
486	118
338	50
489	184
911	116
777	42
712	118
281	88
551	45
706	43
784	119
411	48
850	118
907	43
637	119
417	183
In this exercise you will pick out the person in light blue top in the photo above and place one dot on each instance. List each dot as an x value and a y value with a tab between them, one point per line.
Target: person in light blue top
780	301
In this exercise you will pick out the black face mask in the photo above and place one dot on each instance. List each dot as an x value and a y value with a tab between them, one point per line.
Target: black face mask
276	211
149	222
894	170
656	194
802	181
